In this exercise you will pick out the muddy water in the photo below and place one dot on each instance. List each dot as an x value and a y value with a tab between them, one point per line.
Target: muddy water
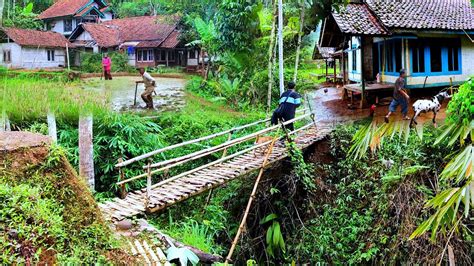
120	92
329	108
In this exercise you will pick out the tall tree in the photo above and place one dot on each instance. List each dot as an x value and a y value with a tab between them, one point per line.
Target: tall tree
270	56
300	36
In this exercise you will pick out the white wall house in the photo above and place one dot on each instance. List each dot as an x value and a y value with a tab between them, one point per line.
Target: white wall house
377	37
64	16
148	41
30	49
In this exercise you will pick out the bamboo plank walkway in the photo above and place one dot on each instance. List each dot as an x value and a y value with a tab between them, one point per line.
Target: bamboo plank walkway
185	187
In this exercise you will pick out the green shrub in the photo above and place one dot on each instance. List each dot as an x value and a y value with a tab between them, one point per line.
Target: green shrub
92	62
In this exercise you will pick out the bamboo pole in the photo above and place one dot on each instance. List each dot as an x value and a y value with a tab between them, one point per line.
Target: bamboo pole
148	185
252	197
52	129
86	149
178	145
224	159
123	191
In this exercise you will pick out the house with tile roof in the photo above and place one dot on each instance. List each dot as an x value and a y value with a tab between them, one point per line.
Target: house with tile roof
148	40
431	39
21	48
65	15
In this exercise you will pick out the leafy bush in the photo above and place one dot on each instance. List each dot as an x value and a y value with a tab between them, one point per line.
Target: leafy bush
92	62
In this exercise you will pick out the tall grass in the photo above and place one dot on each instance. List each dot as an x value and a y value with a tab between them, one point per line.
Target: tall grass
32	98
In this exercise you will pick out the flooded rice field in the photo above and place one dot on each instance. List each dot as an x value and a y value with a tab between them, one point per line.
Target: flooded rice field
120	92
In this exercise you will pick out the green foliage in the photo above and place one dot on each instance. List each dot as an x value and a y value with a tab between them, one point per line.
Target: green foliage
49	215
27	98
458	173
92	62
274	238
23	17
133	9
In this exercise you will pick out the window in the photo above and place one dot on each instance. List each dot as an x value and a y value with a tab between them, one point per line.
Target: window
145	55
354	60
389	59
192	54
7	56
171	56
50	55
453	58
67	25
436	58
418	54
398	56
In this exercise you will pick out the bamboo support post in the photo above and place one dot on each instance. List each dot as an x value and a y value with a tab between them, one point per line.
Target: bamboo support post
252	197
148	185
123	191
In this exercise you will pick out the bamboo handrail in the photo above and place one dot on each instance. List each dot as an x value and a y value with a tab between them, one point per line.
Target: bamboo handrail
211	150
226	144
152	153
225	158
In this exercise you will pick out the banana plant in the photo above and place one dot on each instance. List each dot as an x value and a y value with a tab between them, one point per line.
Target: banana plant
274	238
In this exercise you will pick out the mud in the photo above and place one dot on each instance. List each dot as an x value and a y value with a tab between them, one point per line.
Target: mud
120	93
331	109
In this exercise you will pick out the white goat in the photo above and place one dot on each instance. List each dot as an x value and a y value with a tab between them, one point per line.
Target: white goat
433	105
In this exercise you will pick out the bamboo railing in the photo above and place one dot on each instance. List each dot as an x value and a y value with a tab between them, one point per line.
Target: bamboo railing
171	163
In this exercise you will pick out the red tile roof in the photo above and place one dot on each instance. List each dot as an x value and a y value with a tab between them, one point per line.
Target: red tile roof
425	14
36	38
63	8
172	41
104	35
358	19
149	31
377	17
145	28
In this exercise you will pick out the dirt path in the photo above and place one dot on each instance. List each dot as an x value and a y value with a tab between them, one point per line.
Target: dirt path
330	108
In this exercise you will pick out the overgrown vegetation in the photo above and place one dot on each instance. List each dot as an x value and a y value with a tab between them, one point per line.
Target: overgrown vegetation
48	214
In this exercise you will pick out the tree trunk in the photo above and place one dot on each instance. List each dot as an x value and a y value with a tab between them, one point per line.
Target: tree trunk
280	46
52	130
300	36
270	58
86	150
2	5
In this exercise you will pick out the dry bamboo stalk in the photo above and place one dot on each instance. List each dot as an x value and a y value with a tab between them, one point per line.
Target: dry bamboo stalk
212	150
148	185
152	153
249	204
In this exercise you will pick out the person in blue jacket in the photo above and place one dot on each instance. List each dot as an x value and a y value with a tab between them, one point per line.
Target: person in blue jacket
289	101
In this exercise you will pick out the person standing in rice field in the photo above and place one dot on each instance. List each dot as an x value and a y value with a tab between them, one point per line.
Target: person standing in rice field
107	66
150	85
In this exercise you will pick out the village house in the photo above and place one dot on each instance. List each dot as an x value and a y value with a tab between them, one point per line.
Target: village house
30	49
431	40
65	15
149	41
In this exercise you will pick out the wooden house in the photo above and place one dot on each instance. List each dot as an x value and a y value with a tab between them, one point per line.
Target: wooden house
148	40
65	15
20	48
432	40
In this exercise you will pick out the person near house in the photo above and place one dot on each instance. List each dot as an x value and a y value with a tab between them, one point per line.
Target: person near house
289	101
150	85
400	97
107	65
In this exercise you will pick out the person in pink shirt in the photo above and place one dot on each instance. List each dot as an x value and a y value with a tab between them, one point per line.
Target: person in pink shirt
107	65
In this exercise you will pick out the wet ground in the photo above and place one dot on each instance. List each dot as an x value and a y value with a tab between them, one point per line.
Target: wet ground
120	92
330	108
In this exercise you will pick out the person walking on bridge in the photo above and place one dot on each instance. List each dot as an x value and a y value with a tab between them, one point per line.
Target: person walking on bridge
107	65
150	85
289	101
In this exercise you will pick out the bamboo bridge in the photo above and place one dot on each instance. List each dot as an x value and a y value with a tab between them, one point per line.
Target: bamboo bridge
247	159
